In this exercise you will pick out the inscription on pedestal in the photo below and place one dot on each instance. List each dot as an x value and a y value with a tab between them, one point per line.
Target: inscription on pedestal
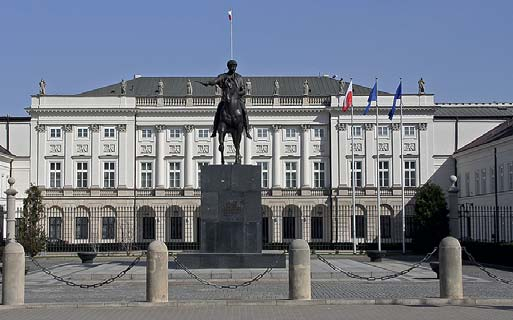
232	207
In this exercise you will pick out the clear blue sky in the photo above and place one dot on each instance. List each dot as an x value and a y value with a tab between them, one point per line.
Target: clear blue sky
462	49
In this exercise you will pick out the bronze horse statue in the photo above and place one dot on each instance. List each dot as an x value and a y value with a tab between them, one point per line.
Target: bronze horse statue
231	116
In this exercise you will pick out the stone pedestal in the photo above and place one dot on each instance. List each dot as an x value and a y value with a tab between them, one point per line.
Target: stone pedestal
231	220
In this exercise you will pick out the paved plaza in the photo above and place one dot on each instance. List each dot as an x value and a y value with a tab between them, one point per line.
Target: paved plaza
325	312
326	283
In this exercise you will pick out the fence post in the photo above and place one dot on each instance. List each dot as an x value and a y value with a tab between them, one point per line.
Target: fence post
451	282
299	271
454	227
156	272
13	273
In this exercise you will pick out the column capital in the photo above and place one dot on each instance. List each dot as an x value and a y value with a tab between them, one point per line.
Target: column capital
68	127
94	127
40	128
341	127
305	127
160	128
422	126
188	128
275	127
368	126
121	127
396	126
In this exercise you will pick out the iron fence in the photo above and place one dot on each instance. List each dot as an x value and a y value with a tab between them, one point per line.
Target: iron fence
486	223
109	229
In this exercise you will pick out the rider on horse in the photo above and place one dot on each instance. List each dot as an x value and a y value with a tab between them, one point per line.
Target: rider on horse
225	81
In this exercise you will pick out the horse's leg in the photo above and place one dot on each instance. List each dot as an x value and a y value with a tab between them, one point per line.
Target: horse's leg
221	134
236	141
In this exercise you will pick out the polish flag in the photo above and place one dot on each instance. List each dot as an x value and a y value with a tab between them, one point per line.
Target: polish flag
348	99
230	15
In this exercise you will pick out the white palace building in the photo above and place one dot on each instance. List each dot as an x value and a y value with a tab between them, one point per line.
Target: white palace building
137	156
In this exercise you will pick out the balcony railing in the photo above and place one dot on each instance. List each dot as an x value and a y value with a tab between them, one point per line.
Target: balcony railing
173	192
290	192
211	101
145	192
54	192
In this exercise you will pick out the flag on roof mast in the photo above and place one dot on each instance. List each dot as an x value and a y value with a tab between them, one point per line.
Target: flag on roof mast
398	95
373	96
348	99
230	15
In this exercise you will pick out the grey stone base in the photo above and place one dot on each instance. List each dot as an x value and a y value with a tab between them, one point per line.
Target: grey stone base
231	260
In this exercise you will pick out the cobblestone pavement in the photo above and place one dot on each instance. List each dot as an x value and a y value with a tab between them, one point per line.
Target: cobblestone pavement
346	312
421	283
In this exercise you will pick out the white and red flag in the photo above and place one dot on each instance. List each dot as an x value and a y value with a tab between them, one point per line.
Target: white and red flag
348	99
230	17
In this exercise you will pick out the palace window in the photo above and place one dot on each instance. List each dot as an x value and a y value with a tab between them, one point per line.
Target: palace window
290	133
318	133
477	181
291	174
356	131
316	230
82	175
409	131
492	180
483	181
361	226
81	228
357	173
386	226
383	131
174	175
55	174
410	173
203	133
175	133
319	175
146	175
55	228
264	171
175	228
384	174
82	133
262	133
146	133
467	184
501	178
108	227
109	174
110	133
55	133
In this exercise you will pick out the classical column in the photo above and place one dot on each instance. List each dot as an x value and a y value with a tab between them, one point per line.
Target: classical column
339	144
368	168
215	152
423	151
42	166
276	156
247	149
396	154
68	152
305	155
189	168
161	143
122	155
95	165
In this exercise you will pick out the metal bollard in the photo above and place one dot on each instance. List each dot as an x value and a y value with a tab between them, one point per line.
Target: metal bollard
13	274
300	287
451	282
156	272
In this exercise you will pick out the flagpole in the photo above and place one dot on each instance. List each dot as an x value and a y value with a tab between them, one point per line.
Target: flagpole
403	218
231	35
377	168
353	175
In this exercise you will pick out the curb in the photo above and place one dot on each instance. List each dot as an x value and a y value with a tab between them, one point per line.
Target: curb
227	303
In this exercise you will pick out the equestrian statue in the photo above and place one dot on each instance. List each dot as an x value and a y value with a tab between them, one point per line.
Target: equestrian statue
231	116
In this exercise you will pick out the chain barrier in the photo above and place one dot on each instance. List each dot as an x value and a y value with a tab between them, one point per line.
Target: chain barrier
371	278
224	286
93	285
485	270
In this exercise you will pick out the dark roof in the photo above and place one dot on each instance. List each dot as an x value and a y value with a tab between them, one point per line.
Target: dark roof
5	152
501	131
474	110
261	86
14	119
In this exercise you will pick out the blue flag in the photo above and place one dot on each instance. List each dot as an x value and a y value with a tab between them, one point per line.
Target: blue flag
398	95
373	96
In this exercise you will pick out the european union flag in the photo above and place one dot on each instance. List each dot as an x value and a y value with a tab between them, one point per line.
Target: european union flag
398	95
373	96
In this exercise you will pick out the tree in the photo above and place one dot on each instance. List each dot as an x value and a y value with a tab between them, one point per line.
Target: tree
432	223
31	234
